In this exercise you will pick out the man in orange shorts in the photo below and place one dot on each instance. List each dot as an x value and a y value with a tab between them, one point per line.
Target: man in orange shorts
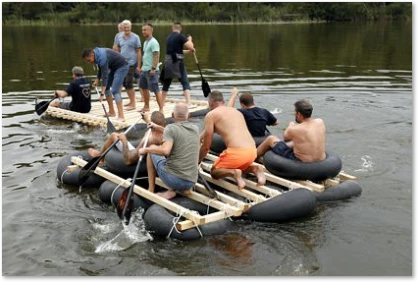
241	151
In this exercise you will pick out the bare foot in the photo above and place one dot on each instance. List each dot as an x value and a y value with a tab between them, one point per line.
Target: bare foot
144	110
93	152
121	119
110	115
167	195
261	177
238	178
129	108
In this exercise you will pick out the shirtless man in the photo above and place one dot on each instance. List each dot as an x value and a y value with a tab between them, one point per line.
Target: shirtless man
303	140
130	153
241	151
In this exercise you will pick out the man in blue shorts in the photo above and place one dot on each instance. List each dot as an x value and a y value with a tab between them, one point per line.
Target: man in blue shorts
176	160
79	90
112	69
150	71
256	118
303	141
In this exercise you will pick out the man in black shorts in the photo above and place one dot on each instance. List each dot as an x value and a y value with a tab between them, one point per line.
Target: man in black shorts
79	90
256	118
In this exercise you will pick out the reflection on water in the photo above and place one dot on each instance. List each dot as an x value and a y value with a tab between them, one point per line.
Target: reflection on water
359	79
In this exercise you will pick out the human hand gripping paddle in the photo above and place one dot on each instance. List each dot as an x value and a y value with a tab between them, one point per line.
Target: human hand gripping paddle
205	85
110	127
41	107
125	203
89	168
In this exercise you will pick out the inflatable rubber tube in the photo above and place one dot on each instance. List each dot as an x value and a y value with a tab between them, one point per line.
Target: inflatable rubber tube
71	178
115	164
342	191
218	145
292	169
110	193
159	222
289	205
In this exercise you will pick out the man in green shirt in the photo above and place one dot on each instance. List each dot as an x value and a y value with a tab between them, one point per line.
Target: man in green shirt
176	160
150	71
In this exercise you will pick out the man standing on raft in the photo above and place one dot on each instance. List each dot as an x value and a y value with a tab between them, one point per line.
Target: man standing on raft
241	151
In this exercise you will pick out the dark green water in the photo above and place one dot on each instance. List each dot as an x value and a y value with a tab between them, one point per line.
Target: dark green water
359	79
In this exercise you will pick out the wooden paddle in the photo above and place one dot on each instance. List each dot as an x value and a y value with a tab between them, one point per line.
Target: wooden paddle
205	85
89	168
126	200
41	107
110	127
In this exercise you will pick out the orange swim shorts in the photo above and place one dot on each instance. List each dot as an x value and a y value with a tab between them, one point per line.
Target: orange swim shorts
240	158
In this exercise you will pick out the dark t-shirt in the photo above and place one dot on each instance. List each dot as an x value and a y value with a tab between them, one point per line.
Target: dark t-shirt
79	90
175	42
257	119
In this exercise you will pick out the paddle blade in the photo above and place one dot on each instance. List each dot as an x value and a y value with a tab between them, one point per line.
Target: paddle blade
205	88
41	107
110	127
88	170
125	204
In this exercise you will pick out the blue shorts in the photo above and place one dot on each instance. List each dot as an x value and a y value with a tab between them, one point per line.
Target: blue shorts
149	82
172	181
283	150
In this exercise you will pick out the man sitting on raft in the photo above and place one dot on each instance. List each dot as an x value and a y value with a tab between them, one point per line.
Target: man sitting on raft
241	151
256	118
130	153
303	141
176	160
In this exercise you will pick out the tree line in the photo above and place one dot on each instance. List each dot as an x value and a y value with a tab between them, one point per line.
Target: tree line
205	12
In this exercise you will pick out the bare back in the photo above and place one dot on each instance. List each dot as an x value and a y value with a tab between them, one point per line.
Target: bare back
308	140
230	124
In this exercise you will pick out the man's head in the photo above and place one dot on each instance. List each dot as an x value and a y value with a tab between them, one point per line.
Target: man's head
127	25
120	27
215	99
303	110
77	72
88	55
180	112
246	99
176	26
147	29
158	118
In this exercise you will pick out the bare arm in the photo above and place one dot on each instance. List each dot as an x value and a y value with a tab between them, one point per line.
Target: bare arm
162	150
288	133
206	137
234	95
139	62
61	93
190	46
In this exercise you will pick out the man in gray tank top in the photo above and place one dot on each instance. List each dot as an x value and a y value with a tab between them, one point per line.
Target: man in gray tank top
176	160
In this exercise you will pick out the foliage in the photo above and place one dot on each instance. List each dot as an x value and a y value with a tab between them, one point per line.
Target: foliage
228	12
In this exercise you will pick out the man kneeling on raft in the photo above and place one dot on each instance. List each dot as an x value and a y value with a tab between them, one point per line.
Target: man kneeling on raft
176	160
129	152
241	151
303	141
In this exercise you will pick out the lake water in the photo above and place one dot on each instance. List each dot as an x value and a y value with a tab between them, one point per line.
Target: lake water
359	79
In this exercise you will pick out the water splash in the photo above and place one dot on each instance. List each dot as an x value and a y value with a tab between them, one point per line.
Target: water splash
127	237
276	111
367	164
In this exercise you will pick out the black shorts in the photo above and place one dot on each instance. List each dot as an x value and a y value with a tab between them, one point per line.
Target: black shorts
283	150
128	82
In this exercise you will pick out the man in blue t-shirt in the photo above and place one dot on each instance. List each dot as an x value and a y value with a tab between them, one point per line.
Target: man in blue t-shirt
79	90
256	118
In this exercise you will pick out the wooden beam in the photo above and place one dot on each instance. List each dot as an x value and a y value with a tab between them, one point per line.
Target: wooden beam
345	176
189	214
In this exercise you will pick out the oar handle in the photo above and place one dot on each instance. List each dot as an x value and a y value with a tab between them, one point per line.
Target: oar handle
135	174
197	63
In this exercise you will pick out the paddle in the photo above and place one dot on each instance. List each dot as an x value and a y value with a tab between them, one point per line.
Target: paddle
126	200
212	192
205	85
110	127
41	107
87	170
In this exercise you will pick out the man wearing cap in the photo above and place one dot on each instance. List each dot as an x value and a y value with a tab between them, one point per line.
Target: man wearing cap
303	141
79	90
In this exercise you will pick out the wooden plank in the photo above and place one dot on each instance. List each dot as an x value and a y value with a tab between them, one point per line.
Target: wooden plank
189	214
187	224
345	176
255	198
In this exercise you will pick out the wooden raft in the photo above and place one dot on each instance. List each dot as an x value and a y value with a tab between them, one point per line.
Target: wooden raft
96	115
227	206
